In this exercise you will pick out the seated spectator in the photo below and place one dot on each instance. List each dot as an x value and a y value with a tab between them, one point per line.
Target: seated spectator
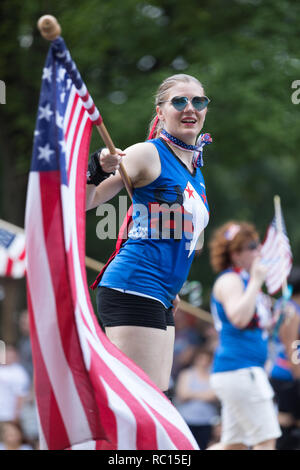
195	399
12	437
14	386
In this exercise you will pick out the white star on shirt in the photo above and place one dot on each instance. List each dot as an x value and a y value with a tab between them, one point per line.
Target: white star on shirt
45	153
59	120
47	73
46	112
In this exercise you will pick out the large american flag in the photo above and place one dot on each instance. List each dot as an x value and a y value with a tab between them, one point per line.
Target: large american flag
89	394
276	253
12	251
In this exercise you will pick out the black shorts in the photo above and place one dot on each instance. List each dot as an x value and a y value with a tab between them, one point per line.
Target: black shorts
287	395
117	308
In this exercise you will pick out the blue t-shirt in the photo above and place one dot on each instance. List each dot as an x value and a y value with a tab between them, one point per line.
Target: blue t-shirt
169	215
281	369
239	348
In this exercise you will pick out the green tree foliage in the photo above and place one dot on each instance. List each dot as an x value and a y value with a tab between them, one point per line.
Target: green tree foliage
245	52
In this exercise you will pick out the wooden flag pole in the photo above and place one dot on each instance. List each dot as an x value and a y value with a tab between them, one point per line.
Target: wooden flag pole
50	29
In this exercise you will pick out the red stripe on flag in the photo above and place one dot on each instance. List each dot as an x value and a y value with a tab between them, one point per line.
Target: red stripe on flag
80	202
91	109
54	430
85	97
9	267
99	121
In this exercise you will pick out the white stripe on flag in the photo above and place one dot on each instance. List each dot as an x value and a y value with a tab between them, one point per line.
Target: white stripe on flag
126	423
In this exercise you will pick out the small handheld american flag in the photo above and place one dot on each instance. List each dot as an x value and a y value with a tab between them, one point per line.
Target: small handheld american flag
276	252
12	251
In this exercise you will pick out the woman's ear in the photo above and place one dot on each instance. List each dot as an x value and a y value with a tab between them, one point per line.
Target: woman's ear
159	113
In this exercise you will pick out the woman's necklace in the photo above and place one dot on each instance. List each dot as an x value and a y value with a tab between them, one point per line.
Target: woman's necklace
197	149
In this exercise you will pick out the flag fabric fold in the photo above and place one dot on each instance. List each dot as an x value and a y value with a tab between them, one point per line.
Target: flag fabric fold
276	254
89	394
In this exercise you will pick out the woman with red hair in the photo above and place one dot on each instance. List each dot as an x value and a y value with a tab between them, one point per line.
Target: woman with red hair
242	314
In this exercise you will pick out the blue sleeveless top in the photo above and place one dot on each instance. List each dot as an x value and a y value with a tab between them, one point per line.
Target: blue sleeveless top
169	215
281	367
240	348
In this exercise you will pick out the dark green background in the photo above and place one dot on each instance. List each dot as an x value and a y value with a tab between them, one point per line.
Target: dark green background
246	53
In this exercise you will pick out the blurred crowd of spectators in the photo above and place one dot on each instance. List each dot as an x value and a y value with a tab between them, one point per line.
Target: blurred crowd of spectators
195	343
18	417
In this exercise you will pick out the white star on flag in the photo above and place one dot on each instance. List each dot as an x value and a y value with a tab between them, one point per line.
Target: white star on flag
47	73
59	120
60	54
61	74
46	112
62	143
62	97
45	153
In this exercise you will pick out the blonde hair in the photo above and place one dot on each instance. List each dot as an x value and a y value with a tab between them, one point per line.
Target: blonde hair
229	238
156	125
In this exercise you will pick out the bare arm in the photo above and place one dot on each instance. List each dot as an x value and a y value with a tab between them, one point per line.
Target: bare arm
240	303
142	165
184	393
96	195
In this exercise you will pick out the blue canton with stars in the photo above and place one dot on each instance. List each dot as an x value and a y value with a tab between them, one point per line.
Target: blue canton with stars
49	142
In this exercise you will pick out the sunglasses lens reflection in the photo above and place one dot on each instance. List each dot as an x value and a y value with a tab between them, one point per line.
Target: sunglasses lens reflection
199	102
252	246
180	103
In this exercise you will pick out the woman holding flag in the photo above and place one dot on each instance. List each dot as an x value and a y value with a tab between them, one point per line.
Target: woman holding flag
137	291
242	314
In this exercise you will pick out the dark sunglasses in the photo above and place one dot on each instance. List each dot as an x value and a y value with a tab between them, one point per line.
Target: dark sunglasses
251	246
180	102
